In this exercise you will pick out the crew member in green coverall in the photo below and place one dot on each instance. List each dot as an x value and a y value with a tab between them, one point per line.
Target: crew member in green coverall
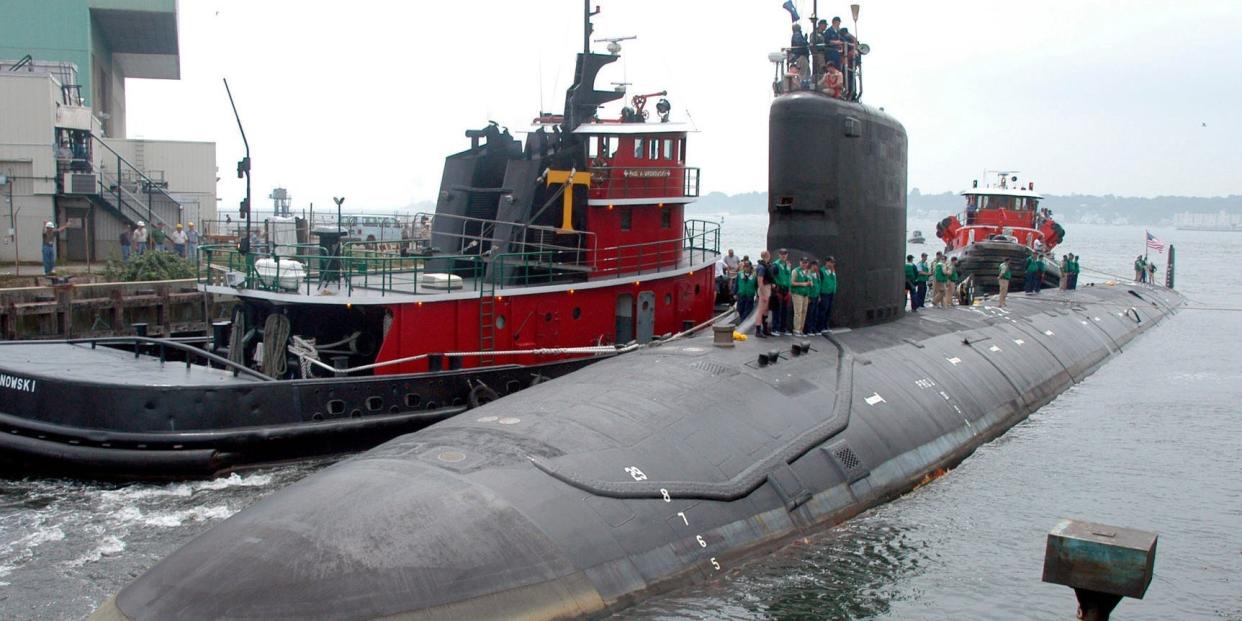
782	309
746	286
1034	273
827	292
800	286
912	275
940	283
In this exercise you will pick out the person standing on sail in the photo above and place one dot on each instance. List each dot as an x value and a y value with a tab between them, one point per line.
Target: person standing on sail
1002	282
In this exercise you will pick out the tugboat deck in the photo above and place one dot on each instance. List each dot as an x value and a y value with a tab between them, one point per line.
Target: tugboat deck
104	365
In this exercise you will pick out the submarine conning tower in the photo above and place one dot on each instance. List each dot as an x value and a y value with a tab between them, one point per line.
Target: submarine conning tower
837	187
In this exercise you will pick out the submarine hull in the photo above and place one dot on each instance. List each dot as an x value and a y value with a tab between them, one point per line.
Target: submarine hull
586	493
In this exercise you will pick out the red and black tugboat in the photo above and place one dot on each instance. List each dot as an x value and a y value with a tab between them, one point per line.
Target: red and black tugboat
1002	221
542	257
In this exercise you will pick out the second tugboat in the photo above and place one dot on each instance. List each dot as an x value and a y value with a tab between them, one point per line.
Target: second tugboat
541	258
1002	221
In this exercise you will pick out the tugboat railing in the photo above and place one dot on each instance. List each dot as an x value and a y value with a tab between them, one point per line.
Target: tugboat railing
164	345
309	267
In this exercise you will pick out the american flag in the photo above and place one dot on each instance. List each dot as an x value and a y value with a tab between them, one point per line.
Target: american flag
1154	243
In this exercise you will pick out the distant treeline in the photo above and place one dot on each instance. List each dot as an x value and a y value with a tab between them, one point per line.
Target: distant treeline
1069	208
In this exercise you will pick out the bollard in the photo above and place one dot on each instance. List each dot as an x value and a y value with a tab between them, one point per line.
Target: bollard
219	335
1101	563
722	336
140	329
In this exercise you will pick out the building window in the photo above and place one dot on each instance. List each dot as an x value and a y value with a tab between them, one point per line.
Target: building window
638	149
666	218
627	218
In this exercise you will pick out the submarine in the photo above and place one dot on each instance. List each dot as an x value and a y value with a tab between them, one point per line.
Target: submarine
672	464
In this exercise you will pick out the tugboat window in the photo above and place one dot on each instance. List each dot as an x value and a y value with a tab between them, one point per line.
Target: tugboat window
638	148
681	150
627	218
668	148
654	149
593	147
577	312
666	218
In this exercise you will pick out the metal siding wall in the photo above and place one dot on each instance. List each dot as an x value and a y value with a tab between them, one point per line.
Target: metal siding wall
107	235
27	126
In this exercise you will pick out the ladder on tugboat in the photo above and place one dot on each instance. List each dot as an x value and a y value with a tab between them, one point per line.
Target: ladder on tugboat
487	320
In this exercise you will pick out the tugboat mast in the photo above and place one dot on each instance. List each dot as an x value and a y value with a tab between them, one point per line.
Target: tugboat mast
243	168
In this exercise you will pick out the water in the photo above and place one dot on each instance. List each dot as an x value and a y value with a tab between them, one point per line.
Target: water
1152	441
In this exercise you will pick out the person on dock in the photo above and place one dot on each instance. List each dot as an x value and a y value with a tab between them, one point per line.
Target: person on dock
1003	275
800	288
50	234
177	237
127	243
746	286
763	294
827	293
158	236
191	242
140	237
920	282
912	275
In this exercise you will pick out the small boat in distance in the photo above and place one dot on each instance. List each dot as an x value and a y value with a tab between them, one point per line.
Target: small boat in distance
917	238
1001	221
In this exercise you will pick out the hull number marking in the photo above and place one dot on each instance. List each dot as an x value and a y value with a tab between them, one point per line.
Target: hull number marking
874	399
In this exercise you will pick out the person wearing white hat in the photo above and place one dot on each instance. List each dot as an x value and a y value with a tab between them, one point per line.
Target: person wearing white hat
50	231
140	238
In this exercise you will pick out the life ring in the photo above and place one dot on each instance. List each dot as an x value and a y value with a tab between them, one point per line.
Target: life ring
481	393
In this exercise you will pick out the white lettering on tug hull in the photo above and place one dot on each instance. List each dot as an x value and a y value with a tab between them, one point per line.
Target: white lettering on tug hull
17	383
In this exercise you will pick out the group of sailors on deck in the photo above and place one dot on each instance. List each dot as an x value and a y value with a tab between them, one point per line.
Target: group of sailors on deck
788	299
827	61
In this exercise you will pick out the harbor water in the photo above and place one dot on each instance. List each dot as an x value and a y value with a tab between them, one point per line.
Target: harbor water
1153	440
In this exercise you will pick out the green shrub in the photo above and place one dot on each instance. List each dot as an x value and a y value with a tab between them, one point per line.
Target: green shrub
150	265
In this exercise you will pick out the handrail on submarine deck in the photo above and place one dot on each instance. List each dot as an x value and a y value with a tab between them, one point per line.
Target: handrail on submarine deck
179	345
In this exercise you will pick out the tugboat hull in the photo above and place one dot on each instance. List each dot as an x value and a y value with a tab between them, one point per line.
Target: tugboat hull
105	413
981	260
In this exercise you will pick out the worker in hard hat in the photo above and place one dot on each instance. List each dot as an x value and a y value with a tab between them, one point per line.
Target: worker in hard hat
177	237
50	231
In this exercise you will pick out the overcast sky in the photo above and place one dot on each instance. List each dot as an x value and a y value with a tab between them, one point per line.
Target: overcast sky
365	98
